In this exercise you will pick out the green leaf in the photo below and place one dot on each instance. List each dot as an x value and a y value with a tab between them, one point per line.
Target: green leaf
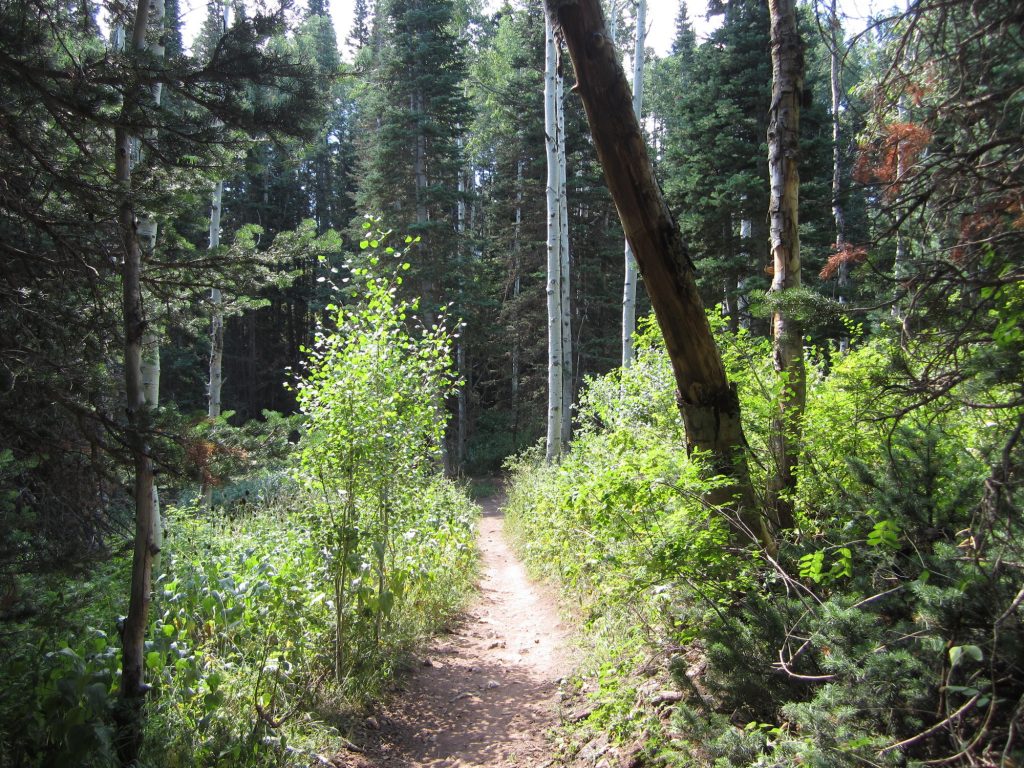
958	652
884	535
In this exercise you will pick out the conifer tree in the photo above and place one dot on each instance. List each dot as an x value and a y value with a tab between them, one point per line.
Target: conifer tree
415	99
506	145
360	33
714	160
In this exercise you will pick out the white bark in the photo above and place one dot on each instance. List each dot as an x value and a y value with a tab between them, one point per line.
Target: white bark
563	262
554	292
742	298
460	348
835	40
138	233
217	311
630	280
899	267
784	178
217	320
460	437
216	334
146	230
516	282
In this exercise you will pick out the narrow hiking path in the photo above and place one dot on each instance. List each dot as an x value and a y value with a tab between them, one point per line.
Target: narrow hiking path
486	693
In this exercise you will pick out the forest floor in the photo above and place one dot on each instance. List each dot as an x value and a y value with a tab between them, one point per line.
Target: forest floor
487	692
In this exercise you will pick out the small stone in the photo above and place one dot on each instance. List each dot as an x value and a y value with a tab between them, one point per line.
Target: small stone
372	723
428	663
492	684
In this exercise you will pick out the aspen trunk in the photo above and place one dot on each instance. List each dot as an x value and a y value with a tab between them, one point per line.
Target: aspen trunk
516	288
784	177
554	290
460	348
216	336
141	370
835	78
707	401
147	233
216	304
742	297
630	279
565	311
151	393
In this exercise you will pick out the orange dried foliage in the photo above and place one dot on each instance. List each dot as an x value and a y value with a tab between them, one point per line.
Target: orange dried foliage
879	160
199	453
847	253
202	453
986	221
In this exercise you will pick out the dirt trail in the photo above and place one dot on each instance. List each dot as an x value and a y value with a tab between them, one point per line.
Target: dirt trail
486	693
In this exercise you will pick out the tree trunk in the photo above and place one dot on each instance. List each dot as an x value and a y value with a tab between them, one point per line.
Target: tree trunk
146	228
460	348
899	266
563	264
141	370
216	337
784	177
516	288
629	281
707	401
742	298
835	40
151	393
554	291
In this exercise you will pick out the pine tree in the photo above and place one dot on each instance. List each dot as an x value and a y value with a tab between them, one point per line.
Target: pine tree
415	98
506	146
714	158
360	34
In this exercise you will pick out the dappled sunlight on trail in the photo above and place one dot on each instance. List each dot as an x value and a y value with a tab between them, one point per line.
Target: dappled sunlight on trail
486	693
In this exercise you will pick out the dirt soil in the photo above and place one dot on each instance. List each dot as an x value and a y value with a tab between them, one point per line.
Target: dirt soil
487	693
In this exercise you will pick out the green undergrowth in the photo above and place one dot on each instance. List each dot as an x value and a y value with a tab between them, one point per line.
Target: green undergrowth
280	613
241	643
887	632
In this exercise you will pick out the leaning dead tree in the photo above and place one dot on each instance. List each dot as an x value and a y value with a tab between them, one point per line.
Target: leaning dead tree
707	401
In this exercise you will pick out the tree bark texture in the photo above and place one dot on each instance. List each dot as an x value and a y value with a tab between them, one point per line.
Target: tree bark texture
838	214
568	390
516	288
707	401
784	178
554	292
630	277
137	231
216	336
